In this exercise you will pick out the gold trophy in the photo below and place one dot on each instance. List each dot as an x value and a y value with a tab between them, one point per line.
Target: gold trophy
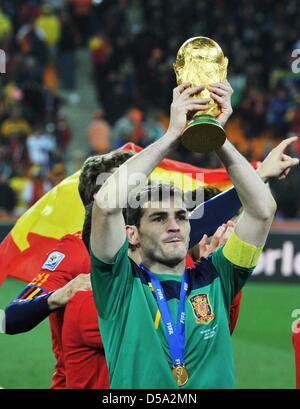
200	61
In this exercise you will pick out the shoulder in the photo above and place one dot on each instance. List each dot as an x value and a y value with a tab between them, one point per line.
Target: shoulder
71	243
120	261
70	252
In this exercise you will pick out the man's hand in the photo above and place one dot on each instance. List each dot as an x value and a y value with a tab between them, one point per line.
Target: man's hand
218	239
221	93
184	103
277	163
60	297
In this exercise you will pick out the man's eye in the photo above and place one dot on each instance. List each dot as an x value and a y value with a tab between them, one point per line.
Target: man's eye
158	219
182	217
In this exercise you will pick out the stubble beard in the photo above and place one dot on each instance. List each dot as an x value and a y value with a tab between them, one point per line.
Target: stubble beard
171	260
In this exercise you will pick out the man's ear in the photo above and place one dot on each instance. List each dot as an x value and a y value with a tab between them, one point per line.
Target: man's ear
132	235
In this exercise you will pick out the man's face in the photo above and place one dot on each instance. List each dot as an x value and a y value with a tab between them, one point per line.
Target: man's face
164	231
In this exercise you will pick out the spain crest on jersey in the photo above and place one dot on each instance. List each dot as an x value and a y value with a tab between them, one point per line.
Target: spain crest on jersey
202	308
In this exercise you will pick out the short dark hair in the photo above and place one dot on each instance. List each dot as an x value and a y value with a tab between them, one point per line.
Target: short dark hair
93	167
155	191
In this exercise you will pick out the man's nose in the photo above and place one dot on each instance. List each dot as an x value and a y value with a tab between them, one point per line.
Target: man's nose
173	225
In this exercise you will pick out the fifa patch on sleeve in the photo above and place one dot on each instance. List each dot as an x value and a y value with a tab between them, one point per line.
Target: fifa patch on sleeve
53	261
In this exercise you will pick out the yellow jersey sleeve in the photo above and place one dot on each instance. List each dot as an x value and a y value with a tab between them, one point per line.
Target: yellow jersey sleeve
240	253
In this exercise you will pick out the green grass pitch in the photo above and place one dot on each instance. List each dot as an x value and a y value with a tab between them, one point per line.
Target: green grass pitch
262	341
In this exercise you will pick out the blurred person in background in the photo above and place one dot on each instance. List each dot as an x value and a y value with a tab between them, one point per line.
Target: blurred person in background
5	162
32	42
254	110
129	128
8	198
67	64
15	130
99	134
6	30
153	127
15	124
49	24
81	11
57	174
37	185
63	132
101	50
277	113
287	197
18	182
39	146
29	76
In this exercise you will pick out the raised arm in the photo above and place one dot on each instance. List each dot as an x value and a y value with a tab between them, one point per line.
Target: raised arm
108	226
258	203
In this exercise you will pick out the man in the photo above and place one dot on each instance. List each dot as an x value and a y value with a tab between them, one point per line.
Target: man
144	349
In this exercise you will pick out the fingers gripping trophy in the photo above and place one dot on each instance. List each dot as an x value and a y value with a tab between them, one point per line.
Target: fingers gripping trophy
200	61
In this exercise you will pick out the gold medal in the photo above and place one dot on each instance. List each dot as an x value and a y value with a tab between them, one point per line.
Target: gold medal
180	374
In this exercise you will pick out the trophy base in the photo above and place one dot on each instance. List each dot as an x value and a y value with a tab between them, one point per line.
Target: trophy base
203	134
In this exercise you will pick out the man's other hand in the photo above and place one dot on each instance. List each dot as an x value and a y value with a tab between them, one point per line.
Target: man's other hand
278	164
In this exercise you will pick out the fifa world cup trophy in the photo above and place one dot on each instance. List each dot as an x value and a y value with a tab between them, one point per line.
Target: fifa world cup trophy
200	61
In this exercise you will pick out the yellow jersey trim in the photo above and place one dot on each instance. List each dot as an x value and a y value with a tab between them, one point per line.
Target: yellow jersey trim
157	319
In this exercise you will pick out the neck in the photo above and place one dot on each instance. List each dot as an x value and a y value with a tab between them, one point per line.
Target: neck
159	268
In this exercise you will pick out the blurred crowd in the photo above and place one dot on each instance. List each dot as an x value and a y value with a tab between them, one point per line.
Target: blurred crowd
132	46
39	45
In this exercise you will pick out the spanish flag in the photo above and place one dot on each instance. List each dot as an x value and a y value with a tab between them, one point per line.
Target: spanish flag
60	212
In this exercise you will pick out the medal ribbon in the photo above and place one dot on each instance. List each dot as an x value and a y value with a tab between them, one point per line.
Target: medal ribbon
175	335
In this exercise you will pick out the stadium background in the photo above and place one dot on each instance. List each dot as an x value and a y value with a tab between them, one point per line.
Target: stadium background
84	77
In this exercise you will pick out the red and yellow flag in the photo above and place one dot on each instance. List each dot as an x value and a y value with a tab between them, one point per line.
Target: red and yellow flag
60	212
